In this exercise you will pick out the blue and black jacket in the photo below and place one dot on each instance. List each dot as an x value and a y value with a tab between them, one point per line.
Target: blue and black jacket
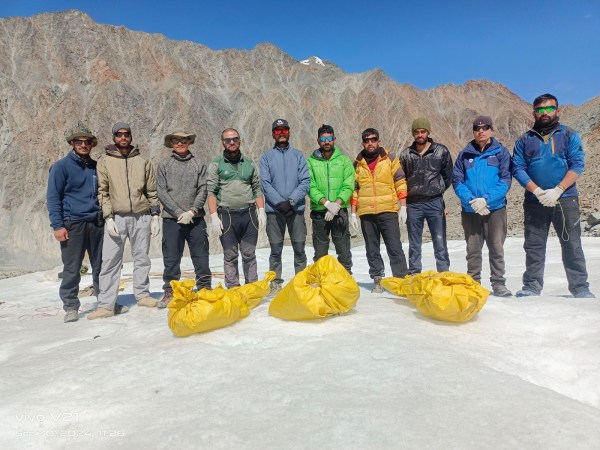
545	160
482	174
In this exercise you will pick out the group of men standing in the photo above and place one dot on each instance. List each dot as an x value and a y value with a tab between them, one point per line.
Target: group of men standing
96	207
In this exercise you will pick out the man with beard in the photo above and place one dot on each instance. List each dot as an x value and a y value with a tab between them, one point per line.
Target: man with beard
285	180
130	206
379	199
481	179
75	215
428	169
331	186
181	187
547	161
237	208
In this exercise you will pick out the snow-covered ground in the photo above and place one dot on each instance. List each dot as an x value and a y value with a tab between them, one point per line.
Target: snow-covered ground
524	373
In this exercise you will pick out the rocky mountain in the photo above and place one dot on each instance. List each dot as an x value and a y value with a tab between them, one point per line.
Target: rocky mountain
59	68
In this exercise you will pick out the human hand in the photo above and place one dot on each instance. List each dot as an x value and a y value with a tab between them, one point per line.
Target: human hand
61	234
284	207
111	227
550	196
402	215
262	218
155	226
354	222
216	224
186	217
329	216
332	207
483	211
539	192
478	204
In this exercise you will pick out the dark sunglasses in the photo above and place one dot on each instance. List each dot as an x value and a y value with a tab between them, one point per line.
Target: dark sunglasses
482	128
230	140
81	142
279	131
545	109
371	139
122	133
182	140
326	138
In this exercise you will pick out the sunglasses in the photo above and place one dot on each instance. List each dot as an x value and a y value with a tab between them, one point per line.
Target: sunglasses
122	133
279	131
182	140
81	142
482	128
545	109
230	140
371	139
326	138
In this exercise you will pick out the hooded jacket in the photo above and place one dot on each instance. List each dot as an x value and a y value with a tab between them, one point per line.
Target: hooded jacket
126	184
330	179
482	174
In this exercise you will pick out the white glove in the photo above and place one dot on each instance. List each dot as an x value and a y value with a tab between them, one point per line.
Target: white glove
402	214
329	216
550	196
111	227
354	222
332	207
478	204
262	218
483	211
216	224
186	217
539	192
155	226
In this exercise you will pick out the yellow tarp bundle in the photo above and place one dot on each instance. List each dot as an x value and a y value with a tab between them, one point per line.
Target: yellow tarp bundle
323	289
450	296
196	312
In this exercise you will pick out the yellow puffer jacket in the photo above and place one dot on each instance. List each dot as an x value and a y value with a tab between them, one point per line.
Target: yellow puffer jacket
378	191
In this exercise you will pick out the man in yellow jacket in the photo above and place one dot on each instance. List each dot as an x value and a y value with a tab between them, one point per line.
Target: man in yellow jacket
379	199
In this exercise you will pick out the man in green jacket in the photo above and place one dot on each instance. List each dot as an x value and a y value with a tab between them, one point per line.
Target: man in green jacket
331	187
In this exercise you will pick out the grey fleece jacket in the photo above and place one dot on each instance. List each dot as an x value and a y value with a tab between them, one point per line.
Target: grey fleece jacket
181	185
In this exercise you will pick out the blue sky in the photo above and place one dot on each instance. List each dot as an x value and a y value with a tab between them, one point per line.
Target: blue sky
530	46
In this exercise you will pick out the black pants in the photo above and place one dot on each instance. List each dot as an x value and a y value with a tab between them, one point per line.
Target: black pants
565	219
375	226
174	237
340	235
276	225
490	229
83	236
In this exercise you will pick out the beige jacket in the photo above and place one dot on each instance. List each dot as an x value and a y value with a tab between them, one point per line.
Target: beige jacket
126	185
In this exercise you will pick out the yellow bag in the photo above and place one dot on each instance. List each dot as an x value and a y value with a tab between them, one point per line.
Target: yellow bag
196	312
450	296
323	289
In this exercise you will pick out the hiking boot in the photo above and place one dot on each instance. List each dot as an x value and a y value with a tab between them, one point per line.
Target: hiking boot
584	294
501	291
147	301
527	293
100	313
377	287
275	287
166	299
72	315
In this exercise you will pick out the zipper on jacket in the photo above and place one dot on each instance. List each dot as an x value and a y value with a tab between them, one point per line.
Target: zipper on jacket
128	186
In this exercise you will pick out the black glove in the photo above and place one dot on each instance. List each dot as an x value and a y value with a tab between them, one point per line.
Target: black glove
285	208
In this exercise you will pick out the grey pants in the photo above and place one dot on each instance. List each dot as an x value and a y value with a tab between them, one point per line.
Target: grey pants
491	229
276	225
137	229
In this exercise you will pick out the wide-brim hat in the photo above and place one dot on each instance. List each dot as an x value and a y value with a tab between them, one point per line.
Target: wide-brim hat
81	131
179	134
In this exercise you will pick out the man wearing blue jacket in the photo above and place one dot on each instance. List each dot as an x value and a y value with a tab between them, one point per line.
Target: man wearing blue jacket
72	200
547	161
481	179
285	182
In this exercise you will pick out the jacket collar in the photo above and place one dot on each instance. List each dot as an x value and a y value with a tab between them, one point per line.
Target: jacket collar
112	150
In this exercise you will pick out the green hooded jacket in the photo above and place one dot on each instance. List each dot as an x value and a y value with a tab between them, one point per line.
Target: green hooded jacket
331	179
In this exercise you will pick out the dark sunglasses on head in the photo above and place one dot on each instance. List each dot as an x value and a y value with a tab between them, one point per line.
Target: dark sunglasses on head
482	128
545	109
82	142
230	140
279	131
182	140
122	133
326	138
371	139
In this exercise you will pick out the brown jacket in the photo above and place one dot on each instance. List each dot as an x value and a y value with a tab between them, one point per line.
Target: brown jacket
126	184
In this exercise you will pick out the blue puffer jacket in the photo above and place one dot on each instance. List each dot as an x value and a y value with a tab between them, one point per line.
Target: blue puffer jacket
485	174
547	161
72	191
284	175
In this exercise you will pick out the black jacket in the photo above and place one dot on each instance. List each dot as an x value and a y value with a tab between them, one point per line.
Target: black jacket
427	176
